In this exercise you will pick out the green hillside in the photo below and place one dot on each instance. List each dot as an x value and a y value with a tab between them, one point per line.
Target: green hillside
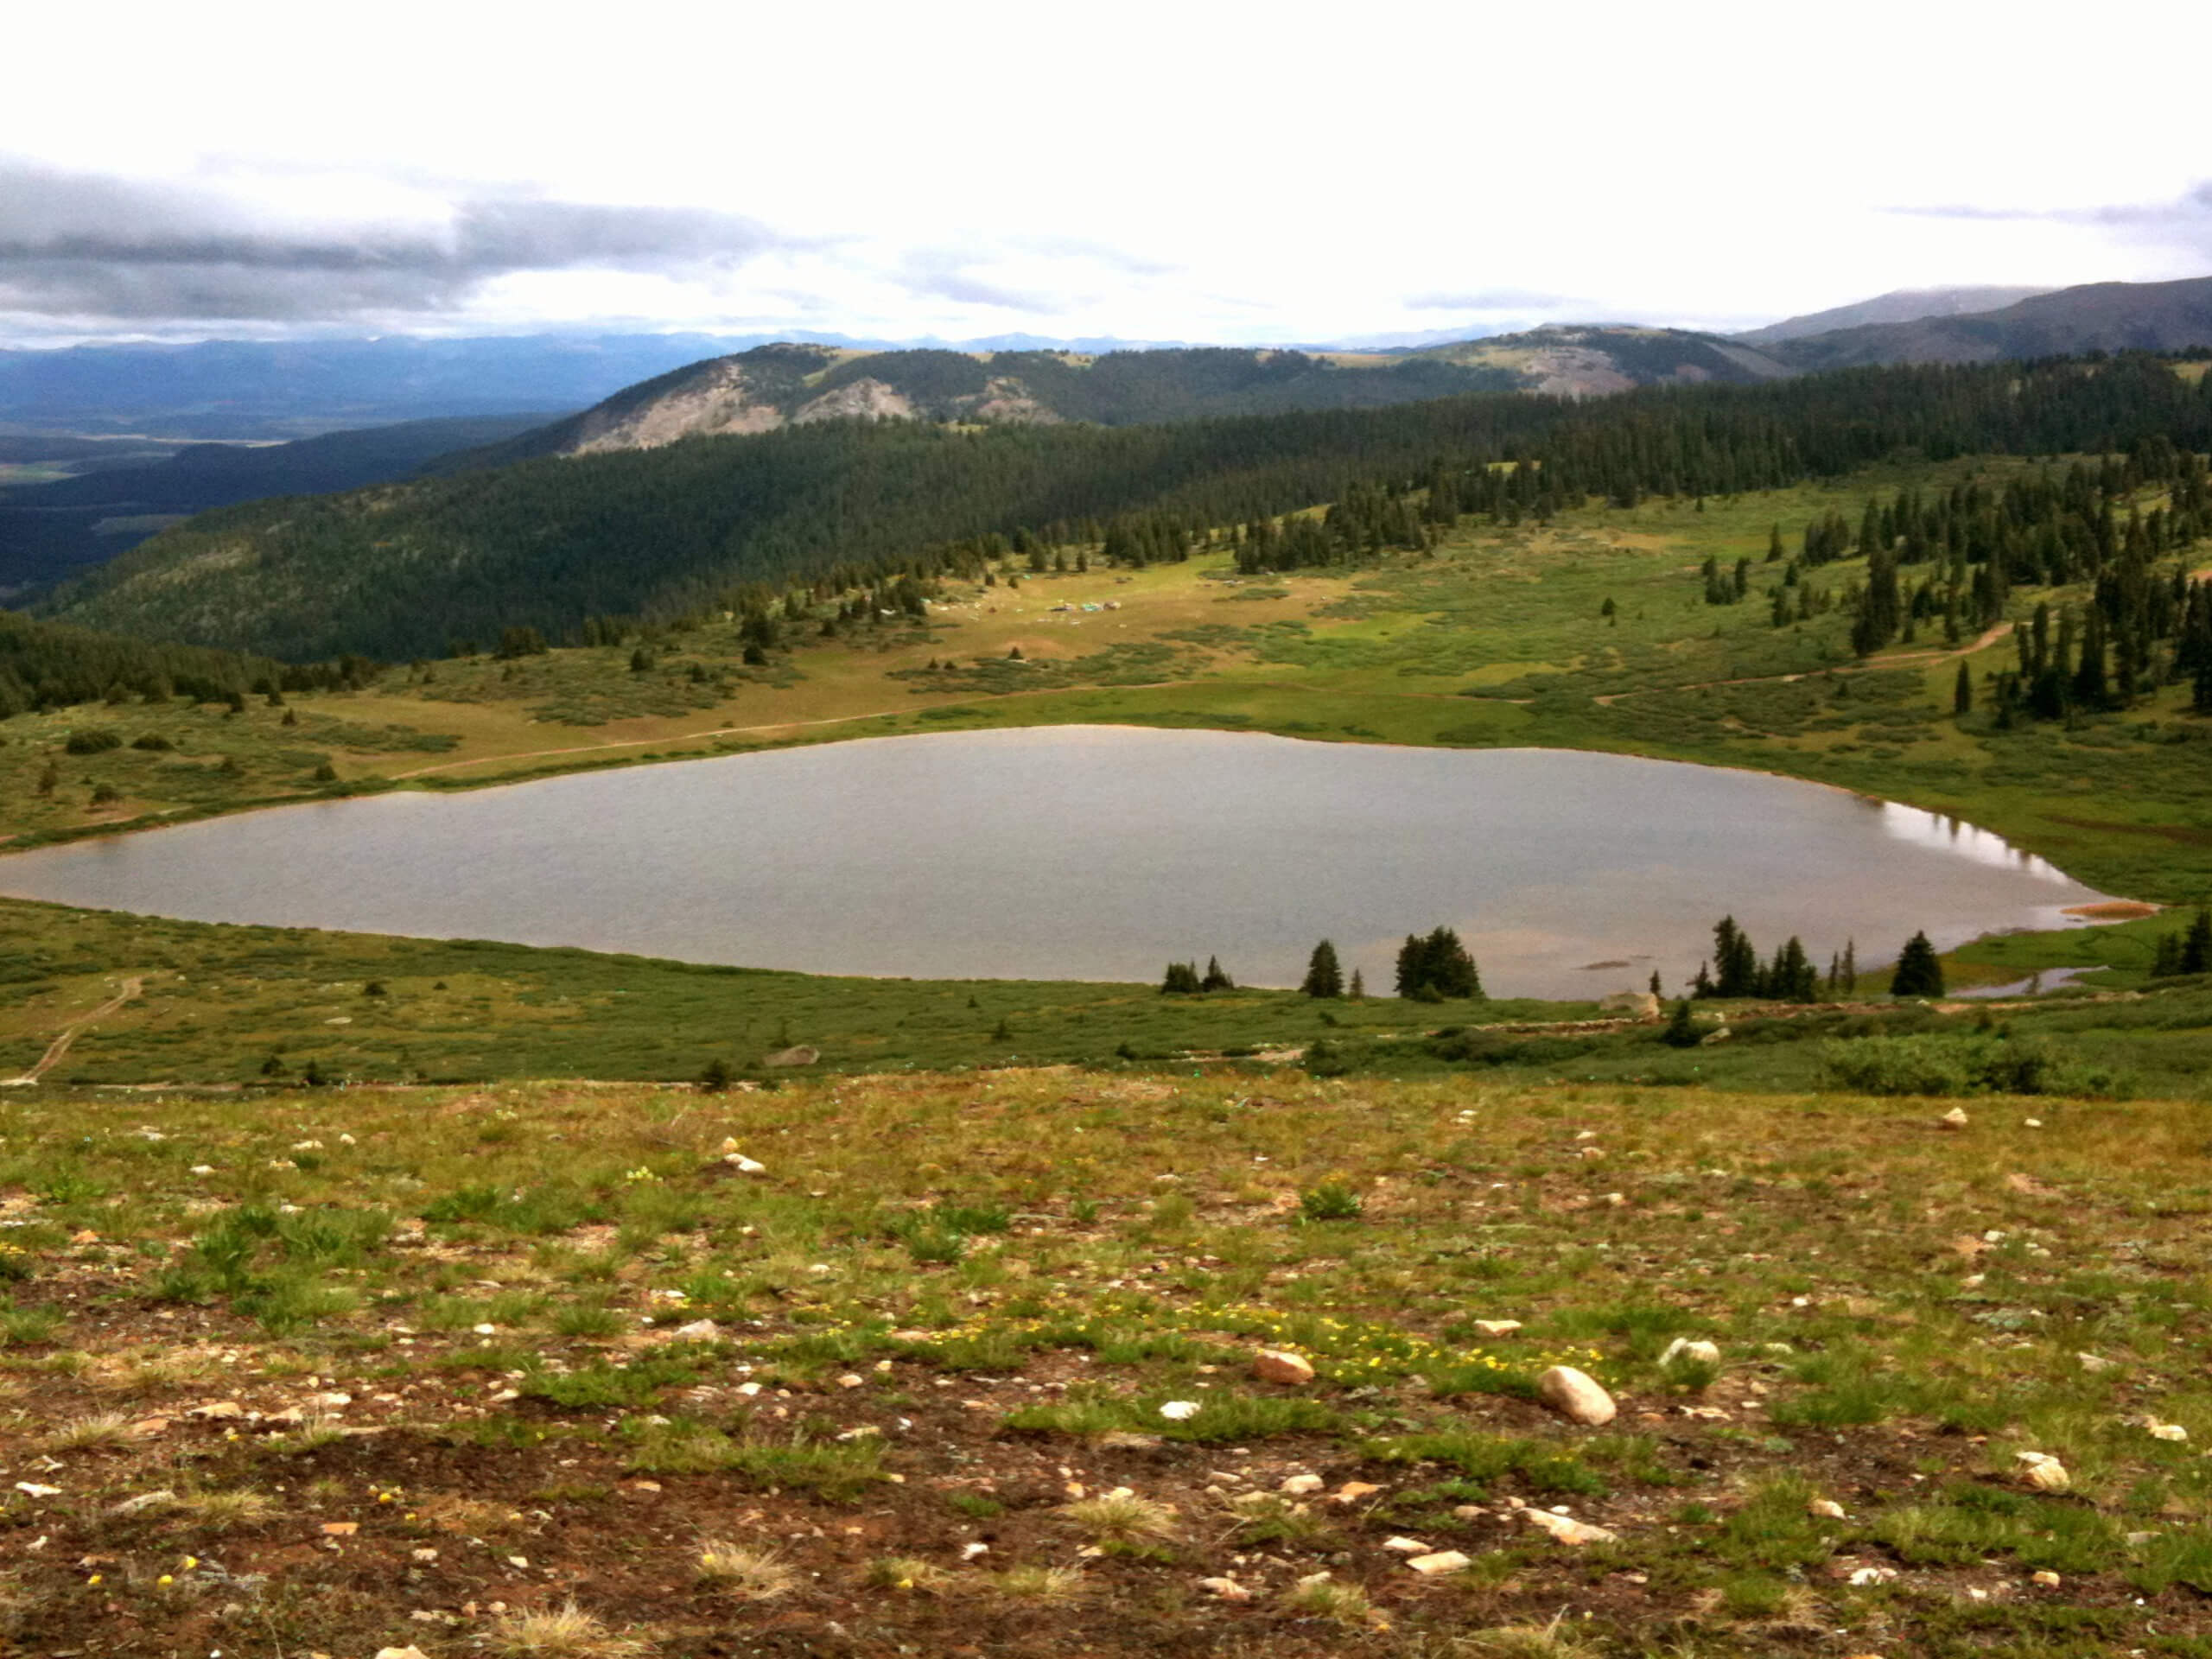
401	571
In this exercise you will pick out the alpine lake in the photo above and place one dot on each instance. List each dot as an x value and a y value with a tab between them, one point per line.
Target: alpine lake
1101	853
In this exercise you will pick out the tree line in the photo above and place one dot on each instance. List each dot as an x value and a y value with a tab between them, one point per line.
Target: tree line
45	666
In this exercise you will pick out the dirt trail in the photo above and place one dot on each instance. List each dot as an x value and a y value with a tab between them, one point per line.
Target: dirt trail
1989	637
60	1046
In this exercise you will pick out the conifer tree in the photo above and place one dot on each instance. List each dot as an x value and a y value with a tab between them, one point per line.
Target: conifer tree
1681	1030
2197	947
1216	980
1962	692
1918	973
1324	977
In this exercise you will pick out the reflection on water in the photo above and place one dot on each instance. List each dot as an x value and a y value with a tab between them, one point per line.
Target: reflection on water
1967	840
1101	853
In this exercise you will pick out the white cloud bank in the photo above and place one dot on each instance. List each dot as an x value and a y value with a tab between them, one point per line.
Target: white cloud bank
1237	173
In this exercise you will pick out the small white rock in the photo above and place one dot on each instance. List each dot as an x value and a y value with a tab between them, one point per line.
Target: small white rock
1444	1560
1299	1485
1576	1397
1696	1353
1406	1545
1497	1327
1179	1411
1568	1530
1956	1118
2168	1432
1826	1509
1224	1589
2045	1472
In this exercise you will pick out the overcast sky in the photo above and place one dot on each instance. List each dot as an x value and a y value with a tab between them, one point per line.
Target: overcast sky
1190	171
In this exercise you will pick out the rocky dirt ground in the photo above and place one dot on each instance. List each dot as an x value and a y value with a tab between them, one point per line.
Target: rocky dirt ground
1018	1362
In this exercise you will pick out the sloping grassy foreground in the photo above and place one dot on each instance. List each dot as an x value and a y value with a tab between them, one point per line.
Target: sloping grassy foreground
330	1372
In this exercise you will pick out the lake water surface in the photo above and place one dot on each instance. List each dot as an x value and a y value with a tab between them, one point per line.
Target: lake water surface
1101	853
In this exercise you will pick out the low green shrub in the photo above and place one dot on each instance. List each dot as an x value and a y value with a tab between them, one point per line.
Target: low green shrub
1962	1065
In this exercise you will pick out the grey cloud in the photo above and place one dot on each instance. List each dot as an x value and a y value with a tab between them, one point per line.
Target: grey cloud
2188	218
944	274
77	244
1494	299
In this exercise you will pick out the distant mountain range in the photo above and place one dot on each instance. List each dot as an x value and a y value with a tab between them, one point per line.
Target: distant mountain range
264	389
787	385
1904	305
2098	317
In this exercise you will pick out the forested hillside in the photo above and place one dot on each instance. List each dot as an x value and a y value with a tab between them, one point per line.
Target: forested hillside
51	531
402	570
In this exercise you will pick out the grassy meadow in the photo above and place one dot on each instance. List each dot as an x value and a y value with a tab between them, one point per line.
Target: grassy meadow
938	1364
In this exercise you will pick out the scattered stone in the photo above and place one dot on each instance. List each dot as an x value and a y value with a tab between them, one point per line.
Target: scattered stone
1718	1034
1497	1327
1568	1530
218	1410
340	1529
1442	1560
1696	1353
1866	1575
1353	1491
1576	1397
2045	1472
1956	1118
798	1055
1406	1545
1826	1509
2047	1578
851	1379
1224	1589
1300	1485
2168	1432
401	1653
143	1501
1635	1004
1123	1439
2032	1123
2097	1362
699	1330
1277	1366
32	1489
1179	1411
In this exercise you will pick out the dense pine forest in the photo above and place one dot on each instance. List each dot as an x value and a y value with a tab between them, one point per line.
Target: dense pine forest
53	665
400	571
